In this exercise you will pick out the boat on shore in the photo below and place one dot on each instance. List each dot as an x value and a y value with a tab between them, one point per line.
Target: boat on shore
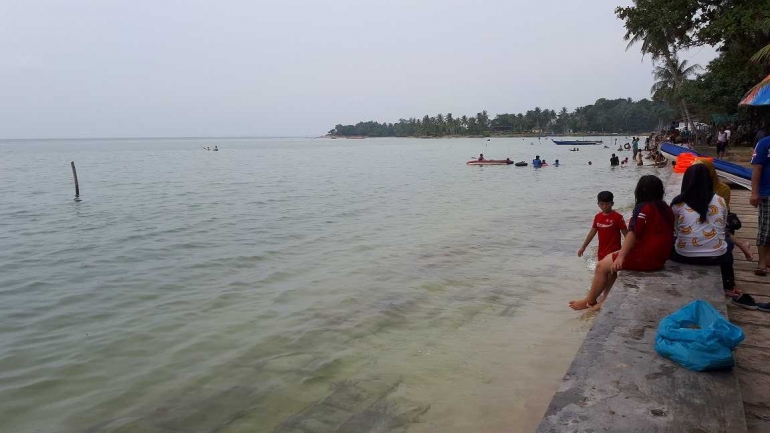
576	142
490	162
729	171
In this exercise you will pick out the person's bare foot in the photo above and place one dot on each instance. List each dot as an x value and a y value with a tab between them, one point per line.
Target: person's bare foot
597	306
579	304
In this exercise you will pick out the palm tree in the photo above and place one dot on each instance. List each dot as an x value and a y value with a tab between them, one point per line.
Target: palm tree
762	55
671	77
440	124
562	119
464	123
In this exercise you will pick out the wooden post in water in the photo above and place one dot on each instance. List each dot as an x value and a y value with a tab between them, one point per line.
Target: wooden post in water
77	187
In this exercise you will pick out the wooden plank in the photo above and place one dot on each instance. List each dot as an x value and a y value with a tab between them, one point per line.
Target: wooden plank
753	289
752	317
755	359
756	336
752	356
753	386
742	275
757	419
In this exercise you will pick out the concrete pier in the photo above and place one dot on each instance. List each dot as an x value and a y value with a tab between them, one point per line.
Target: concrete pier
618	383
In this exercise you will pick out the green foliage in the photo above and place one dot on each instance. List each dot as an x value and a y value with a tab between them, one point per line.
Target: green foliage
618	115
739	28
728	79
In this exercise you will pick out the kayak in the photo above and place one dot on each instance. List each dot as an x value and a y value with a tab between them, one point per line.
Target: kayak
576	142
490	162
734	173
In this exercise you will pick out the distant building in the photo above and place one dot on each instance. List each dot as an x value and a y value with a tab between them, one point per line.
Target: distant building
680	124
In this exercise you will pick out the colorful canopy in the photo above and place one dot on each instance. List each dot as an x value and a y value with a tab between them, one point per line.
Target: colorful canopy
759	94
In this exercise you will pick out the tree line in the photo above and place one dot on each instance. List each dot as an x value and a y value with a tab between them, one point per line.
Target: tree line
739	28
603	116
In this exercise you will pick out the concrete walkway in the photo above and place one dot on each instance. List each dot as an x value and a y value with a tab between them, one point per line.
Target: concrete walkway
618	383
753	355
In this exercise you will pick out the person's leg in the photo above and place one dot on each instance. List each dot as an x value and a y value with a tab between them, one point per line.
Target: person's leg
763	233
598	285
727	269
743	246
606	293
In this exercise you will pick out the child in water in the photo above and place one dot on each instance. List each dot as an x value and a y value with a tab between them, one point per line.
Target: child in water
647	245
610	226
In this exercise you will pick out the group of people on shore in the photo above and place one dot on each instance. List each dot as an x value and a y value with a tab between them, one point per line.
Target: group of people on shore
695	228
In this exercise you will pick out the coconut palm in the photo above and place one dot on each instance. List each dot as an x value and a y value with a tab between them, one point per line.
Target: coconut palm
670	78
762	55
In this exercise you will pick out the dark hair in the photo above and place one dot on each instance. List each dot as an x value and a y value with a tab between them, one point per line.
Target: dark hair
649	188
697	190
605	197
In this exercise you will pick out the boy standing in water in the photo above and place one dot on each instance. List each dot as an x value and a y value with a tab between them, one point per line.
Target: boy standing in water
609	224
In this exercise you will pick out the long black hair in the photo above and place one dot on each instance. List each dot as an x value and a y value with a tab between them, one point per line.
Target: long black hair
697	190
649	189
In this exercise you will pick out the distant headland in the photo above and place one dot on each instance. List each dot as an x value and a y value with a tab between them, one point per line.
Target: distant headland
605	116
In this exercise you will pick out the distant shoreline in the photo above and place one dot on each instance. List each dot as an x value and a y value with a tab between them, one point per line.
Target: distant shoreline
497	135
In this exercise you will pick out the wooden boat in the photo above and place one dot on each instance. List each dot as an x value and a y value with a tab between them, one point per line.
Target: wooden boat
576	142
490	162
729	171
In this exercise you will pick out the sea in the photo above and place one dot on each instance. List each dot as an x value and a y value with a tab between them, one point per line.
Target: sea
293	284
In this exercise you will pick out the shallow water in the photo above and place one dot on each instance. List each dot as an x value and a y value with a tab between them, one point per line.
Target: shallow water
291	284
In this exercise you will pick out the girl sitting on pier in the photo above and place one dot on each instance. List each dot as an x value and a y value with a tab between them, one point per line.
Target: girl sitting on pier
647	245
701	226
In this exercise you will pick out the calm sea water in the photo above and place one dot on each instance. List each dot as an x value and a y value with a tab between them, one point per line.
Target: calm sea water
291	285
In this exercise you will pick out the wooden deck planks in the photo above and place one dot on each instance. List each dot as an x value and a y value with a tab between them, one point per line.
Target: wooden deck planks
753	355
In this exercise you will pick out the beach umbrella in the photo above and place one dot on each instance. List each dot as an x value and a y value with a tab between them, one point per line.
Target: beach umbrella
759	94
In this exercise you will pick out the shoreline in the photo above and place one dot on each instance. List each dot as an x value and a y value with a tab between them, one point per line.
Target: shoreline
494	135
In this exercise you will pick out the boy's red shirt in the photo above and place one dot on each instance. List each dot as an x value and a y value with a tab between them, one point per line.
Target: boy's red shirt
609	226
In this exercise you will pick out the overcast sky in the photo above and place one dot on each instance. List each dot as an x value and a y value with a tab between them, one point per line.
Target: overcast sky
111	68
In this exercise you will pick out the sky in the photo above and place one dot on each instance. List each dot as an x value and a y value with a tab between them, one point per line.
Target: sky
184	68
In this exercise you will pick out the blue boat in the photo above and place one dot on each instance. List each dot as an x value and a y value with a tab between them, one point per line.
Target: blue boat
732	172
576	142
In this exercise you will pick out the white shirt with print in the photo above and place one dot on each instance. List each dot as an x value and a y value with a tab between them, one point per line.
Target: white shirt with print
701	239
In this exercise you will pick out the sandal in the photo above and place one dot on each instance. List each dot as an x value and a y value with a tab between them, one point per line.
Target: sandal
760	272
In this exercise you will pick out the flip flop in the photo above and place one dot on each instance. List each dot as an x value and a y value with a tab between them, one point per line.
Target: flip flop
760	272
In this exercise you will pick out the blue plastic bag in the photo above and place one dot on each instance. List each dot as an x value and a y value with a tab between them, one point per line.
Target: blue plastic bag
699	338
